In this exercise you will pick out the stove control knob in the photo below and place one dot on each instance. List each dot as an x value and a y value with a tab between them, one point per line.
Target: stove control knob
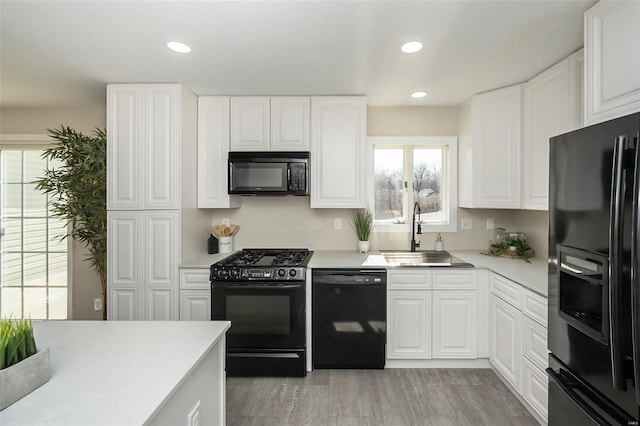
281	272
292	272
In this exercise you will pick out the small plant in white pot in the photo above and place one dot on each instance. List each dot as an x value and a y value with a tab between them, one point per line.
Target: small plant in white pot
362	224
22	367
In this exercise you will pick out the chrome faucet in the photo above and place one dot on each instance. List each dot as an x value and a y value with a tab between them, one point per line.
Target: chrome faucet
414	222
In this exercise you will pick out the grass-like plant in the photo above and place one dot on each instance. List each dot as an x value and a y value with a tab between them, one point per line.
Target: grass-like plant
16	341
77	190
362	224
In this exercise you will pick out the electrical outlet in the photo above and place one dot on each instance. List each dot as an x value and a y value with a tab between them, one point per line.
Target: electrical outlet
490	223
193	419
466	224
337	223
97	304
226	221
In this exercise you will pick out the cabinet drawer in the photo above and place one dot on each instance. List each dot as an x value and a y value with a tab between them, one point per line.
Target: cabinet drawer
454	279
194	279
535	306
534	342
535	388
506	289
409	280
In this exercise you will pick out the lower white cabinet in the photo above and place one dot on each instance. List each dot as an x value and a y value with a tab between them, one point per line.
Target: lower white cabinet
409	324
505	352
432	314
142	264
455	324
518	340
195	294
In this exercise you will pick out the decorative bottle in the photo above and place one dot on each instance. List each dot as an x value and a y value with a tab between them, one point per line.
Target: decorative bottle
439	244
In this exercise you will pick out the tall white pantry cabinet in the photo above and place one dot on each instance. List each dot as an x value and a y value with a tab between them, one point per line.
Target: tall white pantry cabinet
145	126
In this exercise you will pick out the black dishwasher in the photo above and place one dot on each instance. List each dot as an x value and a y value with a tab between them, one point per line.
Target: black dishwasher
349	317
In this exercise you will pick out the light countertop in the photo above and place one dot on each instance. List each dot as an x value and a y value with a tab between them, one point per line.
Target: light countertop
112	372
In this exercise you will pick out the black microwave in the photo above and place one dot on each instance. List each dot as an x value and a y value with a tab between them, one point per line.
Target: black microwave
269	173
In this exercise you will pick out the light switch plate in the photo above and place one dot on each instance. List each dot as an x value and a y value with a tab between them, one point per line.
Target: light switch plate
490	223
466	224
337	224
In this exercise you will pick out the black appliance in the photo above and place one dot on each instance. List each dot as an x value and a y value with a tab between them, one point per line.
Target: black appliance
594	293
269	173
349	318
262	292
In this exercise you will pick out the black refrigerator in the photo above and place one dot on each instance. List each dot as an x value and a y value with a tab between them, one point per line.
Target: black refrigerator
594	293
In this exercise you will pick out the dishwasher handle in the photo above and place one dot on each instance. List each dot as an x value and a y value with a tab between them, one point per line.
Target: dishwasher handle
349	276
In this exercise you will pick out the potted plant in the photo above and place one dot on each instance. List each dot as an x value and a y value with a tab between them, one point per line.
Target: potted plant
22	367
77	190
362	224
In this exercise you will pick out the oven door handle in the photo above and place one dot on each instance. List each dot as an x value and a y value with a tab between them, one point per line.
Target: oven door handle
257	287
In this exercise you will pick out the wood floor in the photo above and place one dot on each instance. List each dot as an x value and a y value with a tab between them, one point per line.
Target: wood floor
392	397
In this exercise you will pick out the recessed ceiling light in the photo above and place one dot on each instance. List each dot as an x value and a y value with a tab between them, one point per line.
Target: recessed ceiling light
176	46
411	47
418	94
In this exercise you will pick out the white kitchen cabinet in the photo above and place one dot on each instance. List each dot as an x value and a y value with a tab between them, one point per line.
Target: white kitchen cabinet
250	123
612	60
408	324
455	324
195	295
535	384
290	123
213	153
551	107
505	352
489	150
142	265
143	146
338	133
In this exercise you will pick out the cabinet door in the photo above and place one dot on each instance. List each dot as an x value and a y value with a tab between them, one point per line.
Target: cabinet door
551	107
213	152
339	128
455	324
535	385
123	147
505	352
160	135
195	305
123	304
161	248
408	324
497	128
290	123
612	60
250	124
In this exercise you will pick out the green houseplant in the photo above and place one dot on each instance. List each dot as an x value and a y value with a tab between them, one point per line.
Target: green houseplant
22	367
77	190
362	224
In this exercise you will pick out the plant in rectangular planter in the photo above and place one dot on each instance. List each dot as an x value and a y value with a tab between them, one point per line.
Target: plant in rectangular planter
22	367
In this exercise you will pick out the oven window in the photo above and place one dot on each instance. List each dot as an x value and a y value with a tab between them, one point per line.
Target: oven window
267	176
259	314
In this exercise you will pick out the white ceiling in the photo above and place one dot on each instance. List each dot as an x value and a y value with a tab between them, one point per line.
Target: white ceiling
62	53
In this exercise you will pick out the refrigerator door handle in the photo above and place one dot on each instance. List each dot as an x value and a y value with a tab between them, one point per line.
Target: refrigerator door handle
635	265
616	226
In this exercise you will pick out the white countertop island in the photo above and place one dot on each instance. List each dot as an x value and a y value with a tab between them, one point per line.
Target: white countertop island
121	373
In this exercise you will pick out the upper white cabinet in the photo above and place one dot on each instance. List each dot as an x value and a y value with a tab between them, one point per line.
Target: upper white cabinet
612	60
213	152
143	146
270	124
339	128
290	123
250	124
489	151
551	107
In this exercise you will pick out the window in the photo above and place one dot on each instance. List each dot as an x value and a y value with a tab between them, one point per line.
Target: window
409	170
33	261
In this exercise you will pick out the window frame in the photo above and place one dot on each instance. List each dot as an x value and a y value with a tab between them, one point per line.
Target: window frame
30	142
449	177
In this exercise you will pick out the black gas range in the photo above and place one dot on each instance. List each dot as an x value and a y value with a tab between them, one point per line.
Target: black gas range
262	292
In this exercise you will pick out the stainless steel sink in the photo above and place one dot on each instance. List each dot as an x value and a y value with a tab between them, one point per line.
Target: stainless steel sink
418	258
